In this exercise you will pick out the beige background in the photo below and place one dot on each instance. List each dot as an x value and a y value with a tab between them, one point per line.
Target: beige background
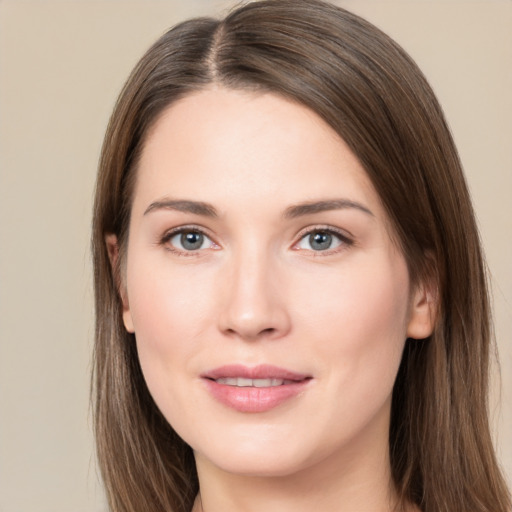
62	65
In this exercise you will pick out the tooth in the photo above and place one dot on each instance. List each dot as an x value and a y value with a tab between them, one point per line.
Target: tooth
228	381
243	383
257	383
262	383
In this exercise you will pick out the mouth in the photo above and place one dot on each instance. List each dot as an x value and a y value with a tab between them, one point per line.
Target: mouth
241	382
254	389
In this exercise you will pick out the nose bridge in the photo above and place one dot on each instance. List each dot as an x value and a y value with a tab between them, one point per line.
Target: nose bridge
254	304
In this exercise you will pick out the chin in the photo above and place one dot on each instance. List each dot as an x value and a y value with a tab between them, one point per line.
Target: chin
262	465
258	454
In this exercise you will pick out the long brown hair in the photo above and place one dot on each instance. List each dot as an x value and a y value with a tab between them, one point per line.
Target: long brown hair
371	92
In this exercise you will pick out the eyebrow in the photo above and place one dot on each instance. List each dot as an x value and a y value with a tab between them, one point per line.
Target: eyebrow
292	212
182	205
309	208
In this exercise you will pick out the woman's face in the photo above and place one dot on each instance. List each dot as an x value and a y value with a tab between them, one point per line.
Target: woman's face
269	303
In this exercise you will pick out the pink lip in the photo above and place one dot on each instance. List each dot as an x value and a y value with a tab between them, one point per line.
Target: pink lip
252	399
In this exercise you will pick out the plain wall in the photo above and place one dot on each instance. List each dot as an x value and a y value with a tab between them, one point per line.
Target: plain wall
61	67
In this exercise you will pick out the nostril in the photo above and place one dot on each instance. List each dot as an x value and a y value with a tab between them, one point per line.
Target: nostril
263	333
253	319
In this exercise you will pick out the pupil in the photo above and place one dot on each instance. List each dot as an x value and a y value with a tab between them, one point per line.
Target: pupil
320	241
191	240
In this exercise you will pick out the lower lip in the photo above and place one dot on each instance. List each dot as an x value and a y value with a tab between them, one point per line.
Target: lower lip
252	399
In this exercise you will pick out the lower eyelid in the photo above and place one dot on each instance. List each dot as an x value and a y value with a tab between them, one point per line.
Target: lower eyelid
339	242
343	239
169	235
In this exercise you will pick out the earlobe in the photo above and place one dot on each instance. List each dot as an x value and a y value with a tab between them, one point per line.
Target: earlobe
113	255
127	319
423	312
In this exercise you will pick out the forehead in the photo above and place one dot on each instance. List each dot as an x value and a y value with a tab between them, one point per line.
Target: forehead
222	144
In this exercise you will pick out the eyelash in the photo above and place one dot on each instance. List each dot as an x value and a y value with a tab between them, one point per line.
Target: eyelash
345	240
169	235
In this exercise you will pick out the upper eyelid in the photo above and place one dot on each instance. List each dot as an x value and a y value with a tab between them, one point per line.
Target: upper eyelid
164	240
169	233
172	232
346	239
343	233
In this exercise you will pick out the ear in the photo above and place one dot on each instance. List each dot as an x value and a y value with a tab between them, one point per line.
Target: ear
113	255
423	311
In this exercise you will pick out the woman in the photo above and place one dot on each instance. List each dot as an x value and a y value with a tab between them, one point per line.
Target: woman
291	300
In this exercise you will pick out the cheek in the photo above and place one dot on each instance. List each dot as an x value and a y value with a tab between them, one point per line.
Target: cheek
171	312
359	319
165	299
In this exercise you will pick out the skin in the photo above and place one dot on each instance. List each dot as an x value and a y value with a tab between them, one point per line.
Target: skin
258	292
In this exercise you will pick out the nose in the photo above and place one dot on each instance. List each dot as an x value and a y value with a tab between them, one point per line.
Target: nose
253	299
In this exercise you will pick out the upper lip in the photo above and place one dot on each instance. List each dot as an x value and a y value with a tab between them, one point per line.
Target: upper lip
262	371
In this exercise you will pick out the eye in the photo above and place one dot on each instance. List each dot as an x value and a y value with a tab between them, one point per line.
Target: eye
188	240
322	240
